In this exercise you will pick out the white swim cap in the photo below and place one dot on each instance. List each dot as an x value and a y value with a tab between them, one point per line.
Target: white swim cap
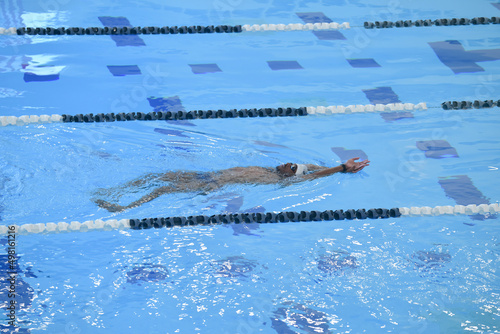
301	169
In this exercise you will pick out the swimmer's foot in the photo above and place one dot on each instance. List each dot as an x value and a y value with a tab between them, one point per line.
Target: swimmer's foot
109	206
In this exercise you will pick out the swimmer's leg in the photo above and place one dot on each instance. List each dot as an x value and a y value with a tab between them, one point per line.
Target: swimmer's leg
147	198
203	182
141	181
132	186
173	176
109	206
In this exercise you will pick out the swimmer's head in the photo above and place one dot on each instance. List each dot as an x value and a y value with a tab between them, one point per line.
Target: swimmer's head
290	169
301	170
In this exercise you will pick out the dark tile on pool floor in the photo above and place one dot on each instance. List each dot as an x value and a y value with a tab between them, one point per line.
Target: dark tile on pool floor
319	17
336	263
114	21
147	272
267	152
29	77
276	65
396	115
170	132
461	189
172	143
235	266
120	22
246	229
452	54
181	122
314	17
385	95
382	95
255	209
363	62
24	293
122	70
234	204
268	144
427	261
437	149
290	317
204	68
345	155
127	40
164	104
329	35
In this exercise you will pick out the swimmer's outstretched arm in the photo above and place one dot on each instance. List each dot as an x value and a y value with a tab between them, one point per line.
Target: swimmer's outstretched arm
351	166
311	167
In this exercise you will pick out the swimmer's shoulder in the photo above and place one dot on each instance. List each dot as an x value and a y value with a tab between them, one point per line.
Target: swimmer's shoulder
251	174
250	169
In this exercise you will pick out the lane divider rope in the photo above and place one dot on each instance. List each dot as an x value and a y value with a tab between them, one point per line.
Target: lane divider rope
247	218
204	114
172	30
241	113
428	23
165	30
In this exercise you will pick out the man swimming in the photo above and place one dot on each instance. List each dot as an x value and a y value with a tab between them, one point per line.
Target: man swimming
183	182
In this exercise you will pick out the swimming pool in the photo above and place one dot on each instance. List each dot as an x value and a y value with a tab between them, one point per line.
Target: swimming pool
418	274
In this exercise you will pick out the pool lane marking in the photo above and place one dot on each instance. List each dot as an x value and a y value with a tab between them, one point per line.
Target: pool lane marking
303	216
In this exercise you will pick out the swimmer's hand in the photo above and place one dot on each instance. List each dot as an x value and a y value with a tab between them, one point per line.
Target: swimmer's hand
353	166
350	166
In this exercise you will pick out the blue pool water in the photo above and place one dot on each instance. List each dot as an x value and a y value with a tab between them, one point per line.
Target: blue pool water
405	275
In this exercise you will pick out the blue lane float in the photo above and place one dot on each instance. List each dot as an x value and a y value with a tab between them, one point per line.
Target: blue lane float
183	115
428	23
166	30
477	104
263	218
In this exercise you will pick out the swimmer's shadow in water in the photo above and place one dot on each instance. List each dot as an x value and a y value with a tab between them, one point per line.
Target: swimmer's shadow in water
337	263
232	204
146	273
297	318
235	267
429	263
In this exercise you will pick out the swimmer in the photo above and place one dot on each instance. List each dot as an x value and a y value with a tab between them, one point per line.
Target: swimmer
184	182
